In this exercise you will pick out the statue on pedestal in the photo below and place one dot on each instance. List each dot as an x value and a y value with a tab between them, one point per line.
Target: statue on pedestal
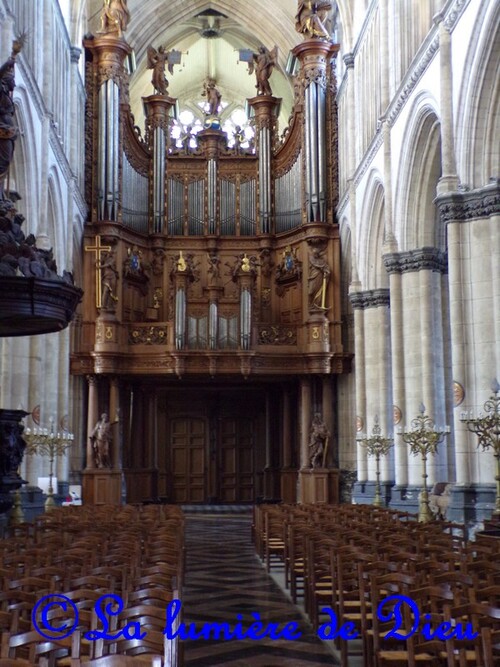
102	439
109	280
213	98
318	441
319	276
262	64
157	61
115	17
310	19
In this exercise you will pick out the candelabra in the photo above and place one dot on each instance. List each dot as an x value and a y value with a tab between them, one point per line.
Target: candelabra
376	446
46	442
424	438
487	429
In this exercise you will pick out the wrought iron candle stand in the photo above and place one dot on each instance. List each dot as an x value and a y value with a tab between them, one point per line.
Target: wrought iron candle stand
376	446
46	442
424	438
487	429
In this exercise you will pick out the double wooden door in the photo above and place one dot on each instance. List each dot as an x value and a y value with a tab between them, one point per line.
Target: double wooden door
212	457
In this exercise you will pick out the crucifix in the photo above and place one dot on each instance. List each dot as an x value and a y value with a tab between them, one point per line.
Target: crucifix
98	249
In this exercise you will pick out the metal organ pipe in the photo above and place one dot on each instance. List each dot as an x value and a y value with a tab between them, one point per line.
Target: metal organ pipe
180	318
109	141
212	195
245	318
159	180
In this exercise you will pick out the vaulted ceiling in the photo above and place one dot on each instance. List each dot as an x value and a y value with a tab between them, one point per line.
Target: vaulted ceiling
177	24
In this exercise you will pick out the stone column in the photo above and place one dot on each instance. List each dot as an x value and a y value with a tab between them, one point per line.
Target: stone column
449	179
92	418
359	357
398	378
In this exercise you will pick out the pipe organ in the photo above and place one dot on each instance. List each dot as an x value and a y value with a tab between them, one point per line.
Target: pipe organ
223	262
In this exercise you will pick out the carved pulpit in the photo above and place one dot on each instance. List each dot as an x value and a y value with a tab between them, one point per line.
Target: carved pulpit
212	296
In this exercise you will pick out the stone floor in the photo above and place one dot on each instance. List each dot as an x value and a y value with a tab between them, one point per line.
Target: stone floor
225	582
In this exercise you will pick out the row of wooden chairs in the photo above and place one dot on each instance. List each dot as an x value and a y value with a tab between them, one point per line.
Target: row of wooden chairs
336	557
133	553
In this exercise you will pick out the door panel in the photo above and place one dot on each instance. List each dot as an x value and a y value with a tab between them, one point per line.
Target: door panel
188	445
236	468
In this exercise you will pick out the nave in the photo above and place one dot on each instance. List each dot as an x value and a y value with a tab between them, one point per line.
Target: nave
225	578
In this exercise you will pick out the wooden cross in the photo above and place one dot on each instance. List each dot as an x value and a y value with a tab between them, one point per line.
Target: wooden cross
98	249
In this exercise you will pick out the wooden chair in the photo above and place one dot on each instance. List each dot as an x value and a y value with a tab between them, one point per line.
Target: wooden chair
490	640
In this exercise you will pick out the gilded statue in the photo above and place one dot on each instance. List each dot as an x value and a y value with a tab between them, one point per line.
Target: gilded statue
213	98
115	17
319	276
318	442
262	64
157	61
310	19
8	129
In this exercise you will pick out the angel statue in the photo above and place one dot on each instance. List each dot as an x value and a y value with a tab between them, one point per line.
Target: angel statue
157	61
262	64
115	17
310	19
213	97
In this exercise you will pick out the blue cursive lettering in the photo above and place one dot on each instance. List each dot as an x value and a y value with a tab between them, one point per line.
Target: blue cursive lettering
396	612
332	631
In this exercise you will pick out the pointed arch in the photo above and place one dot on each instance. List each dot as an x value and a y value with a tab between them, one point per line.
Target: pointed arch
23	168
478	114
371	238
56	219
415	213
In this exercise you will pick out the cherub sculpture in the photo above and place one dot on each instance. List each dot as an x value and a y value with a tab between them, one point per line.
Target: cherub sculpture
157	61
262	64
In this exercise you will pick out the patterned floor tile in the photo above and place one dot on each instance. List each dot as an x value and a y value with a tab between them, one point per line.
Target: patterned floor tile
225	583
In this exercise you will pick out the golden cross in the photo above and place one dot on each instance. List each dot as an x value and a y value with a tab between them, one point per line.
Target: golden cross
98	249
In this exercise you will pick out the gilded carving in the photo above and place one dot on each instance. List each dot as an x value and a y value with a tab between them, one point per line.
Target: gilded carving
276	334
153	335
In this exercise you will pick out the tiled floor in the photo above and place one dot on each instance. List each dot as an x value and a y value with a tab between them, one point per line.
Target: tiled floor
224	578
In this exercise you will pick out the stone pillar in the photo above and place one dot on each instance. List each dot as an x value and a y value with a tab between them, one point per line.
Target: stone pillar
398	379
449	179
93	417
359	357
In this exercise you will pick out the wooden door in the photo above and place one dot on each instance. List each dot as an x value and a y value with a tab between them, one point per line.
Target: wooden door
236	460
188	441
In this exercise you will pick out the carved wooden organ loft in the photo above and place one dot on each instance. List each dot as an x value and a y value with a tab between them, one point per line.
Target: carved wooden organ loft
210	260
217	265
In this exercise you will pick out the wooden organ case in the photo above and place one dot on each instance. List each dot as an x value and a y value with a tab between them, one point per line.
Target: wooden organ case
210	329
